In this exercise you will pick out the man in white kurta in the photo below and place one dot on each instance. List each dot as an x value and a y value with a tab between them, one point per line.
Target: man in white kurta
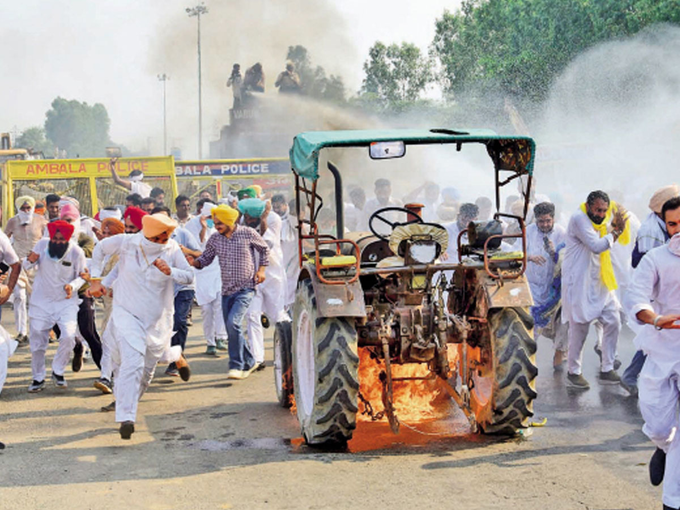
149	265
545	240
466	214
652	301
383	198
59	262
209	283
586	295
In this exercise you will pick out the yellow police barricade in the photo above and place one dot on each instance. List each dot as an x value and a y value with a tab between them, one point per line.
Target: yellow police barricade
220	176
88	179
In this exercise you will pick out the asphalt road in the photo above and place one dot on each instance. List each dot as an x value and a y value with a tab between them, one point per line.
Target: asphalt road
215	443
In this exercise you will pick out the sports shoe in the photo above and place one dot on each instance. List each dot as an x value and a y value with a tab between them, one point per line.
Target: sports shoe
21	339
109	408
36	386
77	362
610	377
577	381
657	467
259	367
630	388
221	345
126	429
104	385
211	350
59	381
598	351
2	446
183	368
237	374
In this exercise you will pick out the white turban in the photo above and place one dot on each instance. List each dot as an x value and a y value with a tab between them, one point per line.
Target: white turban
106	213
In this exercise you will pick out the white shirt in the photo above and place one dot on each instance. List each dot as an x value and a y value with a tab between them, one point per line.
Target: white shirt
7	253
141	188
208	279
540	277
584	295
657	280
48	298
352	217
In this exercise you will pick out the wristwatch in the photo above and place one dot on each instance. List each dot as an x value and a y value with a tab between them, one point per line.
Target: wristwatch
656	319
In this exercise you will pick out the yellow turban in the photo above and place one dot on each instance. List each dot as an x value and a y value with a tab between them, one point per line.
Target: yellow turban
22	200
258	189
662	196
224	213
155	224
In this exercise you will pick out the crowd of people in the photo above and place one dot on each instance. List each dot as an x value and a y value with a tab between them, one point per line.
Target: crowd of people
237	258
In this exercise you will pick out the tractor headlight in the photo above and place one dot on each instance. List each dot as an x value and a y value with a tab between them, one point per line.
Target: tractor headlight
423	252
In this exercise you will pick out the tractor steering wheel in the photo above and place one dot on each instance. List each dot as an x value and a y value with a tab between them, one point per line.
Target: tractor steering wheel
378	215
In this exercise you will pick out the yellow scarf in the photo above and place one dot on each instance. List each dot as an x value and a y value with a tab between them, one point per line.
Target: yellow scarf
606	266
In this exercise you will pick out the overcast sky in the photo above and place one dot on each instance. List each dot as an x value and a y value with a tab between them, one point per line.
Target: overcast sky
110	51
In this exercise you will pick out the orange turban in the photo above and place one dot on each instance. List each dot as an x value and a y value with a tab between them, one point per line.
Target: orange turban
155	224
62	226
115	226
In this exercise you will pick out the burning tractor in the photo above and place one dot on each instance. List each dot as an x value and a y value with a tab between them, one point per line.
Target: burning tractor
390	296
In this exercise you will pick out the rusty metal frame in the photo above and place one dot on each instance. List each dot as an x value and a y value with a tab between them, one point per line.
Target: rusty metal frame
301	189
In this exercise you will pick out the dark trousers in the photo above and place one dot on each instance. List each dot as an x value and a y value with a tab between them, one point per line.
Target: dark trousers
88	330
632	373
183	302
234	308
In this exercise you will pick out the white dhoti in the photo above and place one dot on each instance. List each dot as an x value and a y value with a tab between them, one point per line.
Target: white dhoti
659	400
67	320
135	352
7	348
269	299
213	321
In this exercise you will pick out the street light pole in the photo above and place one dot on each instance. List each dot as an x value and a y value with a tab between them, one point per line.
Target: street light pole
164	77
198	11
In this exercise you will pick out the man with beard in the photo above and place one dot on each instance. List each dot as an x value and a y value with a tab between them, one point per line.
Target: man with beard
25	229
270	295
132	219
149	265
652	301
236	247
545	240
59	263
589	283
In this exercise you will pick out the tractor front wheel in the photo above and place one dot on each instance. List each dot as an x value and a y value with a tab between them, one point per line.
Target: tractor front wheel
325	366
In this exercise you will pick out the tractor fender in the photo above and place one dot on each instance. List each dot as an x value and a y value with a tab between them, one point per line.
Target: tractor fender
507	294
335	300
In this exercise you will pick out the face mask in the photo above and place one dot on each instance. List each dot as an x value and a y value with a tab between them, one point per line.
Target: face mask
25	217
674	245
210	223
151	250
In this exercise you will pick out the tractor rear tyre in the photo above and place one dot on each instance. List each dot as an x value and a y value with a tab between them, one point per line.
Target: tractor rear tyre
283	366
325	365
503	400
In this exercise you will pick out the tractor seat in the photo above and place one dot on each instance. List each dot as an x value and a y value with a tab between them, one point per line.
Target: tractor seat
507	255
338	261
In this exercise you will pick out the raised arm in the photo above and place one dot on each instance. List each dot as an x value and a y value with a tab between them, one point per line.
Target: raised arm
585	233
116	177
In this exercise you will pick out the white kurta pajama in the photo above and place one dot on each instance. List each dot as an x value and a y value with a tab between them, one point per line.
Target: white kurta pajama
141	322
655	286
49	306
7	344
209	289
270	296
540	277
585	297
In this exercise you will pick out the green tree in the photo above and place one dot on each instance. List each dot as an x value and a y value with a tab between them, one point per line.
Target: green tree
315	82
517	47
395	73
34	139
80	129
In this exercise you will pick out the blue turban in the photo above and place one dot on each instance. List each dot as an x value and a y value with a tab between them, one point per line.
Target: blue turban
253	207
